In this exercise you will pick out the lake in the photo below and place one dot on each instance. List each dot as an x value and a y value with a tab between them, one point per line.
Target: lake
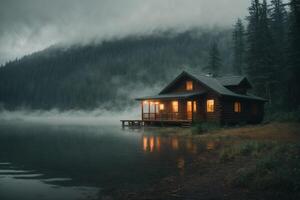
39	161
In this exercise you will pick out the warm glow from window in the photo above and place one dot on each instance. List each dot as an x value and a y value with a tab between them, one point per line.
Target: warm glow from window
161	106
189	106
175	106
189	85
210	105
195	106
237	107
145	102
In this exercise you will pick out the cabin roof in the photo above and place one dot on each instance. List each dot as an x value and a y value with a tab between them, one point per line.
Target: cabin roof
172	96
231	80
215	84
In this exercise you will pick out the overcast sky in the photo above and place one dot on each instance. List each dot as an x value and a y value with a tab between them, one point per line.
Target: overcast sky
31	25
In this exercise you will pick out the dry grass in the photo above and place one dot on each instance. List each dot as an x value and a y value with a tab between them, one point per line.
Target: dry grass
287	132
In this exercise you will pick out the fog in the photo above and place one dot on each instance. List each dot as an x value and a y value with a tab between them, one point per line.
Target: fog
32	25
73	117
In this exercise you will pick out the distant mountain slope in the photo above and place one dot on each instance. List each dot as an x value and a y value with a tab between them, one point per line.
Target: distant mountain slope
107	74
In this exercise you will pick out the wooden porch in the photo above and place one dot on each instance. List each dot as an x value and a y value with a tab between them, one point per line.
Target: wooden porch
166	110
155	122
175	116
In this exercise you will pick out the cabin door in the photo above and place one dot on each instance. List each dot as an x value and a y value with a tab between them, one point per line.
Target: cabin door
189	110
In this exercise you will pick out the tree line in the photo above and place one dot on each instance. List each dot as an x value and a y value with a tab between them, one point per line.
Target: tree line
264	47
267	50
107	75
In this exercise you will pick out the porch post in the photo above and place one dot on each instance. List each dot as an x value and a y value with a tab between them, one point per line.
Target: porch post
142	105
192	110
149	110
154	111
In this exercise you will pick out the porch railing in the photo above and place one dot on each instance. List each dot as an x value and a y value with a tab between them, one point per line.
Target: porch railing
166	116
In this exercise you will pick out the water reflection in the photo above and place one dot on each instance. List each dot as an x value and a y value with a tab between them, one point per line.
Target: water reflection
154	143
181	165
158	143
175	143
151	143
100	157
145	143
191	147
210	145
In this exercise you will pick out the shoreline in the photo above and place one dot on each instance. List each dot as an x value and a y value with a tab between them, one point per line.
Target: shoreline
230	170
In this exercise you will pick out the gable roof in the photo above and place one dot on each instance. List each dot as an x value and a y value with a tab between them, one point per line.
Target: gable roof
233	80
213	84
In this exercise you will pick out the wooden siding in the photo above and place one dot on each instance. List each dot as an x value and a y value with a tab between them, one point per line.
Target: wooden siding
251	111
200	114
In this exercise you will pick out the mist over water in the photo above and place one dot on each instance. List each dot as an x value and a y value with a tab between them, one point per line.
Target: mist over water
84	157
72	117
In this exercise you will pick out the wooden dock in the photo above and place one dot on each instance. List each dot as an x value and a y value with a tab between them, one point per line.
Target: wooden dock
132	123
141	123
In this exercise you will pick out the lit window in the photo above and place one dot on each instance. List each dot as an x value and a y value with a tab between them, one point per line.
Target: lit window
189	106
189	85
195	106
161	106
237	107
175	106
210	105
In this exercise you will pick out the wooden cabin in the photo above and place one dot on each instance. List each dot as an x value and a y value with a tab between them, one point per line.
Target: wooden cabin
192	97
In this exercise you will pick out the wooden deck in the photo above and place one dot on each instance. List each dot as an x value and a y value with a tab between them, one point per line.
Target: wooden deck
141	123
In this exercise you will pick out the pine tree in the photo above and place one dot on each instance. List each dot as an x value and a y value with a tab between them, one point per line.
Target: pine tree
293	70
267	57
252	40
278	28
214	63
238	47
260	47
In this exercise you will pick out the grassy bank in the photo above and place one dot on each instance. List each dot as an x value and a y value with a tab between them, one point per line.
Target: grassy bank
250	162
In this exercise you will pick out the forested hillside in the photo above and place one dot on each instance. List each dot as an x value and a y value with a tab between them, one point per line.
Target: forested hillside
108	74
265	47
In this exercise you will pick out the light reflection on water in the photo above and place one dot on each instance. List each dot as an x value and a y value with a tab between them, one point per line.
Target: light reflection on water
93	160
152	143
210	145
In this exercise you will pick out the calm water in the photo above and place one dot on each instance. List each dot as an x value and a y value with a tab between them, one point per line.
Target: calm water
86	162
